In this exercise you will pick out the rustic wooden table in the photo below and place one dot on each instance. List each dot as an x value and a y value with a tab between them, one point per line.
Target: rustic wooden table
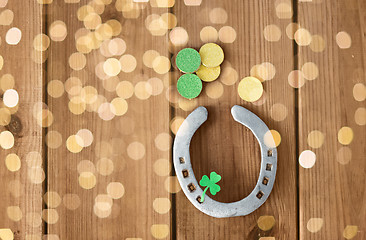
89	111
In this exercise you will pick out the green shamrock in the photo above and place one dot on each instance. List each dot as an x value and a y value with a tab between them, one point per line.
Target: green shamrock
210	183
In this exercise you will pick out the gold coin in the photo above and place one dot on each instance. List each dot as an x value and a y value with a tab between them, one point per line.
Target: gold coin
212	55
208	74
250	89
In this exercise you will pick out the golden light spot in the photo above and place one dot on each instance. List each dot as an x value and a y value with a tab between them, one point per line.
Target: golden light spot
360	116
161	205
11	98
87	180
149	57
125	89
175	124
279	112
171	184
105	111
315	139
115	190
227	34
143	90
272	138
345	135
1	61
5	116
192	2
158	27
73	86
86	137
36	175
344	155
55	88
85	166
209	34
162	167
163	3
71	201
272	33
214	90
112	67
50	216
102	213
284	10
44	1
92	21
178	36
271	70
307	159
71	1
3	3
72	144
41	42
218	16
120	106
103	202
159	231
52	199
302	37
163	141
187	104
359	92
250	89
266	223
315	224
170	20
310	71
6	17
157	86
105	166
6	140
77	61
77	105
12	162
229	76
136	150
115	25
13	36
317	44
161	64
343	40
296	79
259	71
34	159
350	231
291	29
58	31
117	46
6	234
14	213
128	63
7	82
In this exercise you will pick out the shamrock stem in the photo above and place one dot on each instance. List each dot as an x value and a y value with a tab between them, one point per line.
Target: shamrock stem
203	194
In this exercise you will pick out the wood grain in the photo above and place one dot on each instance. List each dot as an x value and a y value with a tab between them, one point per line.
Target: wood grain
331	190
17	190
133	215
230	149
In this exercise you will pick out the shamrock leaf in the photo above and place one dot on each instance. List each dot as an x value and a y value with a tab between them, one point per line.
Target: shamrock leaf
210	183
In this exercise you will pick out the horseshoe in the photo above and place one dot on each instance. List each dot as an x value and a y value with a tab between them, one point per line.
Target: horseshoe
188	182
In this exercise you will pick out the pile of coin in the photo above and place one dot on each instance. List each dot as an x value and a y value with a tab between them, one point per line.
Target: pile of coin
196	66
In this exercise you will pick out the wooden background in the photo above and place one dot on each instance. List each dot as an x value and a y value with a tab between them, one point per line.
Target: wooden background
84	171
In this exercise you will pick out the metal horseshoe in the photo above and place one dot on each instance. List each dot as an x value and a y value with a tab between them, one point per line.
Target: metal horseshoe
188	182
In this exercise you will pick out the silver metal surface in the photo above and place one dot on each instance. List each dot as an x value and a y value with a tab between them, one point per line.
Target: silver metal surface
188	182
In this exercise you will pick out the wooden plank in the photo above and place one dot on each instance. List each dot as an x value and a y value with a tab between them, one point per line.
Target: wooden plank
21	137
134	142
332	196
221	144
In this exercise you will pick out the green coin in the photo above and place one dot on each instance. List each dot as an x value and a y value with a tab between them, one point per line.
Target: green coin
188	60
189	86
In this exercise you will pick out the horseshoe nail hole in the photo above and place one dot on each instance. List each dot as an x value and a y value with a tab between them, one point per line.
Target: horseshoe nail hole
269	153
265	180
191	187
185	173
199	199
181	160
269	167
260	194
